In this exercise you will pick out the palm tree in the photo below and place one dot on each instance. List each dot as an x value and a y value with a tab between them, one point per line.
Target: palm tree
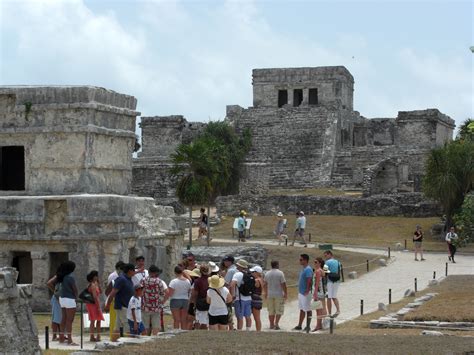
194	165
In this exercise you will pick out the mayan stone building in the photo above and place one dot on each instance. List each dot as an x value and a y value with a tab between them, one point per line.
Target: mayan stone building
65	184
306	134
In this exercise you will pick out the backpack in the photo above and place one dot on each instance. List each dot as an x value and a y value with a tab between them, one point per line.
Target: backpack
335	276
247	287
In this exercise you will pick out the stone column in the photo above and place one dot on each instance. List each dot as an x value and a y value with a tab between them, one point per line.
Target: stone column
5	258
40	266
305	97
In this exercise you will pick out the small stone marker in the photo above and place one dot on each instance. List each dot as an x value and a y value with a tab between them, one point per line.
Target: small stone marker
382	306
433	283
409	293
432	333
353	275
382	262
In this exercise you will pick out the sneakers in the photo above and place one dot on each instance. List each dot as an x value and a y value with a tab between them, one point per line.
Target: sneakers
416	259
423	259
297	328
307	329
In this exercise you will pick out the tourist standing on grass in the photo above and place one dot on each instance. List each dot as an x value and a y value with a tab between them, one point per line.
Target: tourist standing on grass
241	288
218	297
275	292
179	290
451	239
108	289
230	270
304	293
67	300
418	240
94	310
203	224
134	312
334	278
140	271
300	227
56	311
199	297
241	226
319	292
279	228
155	294
120	295
257	301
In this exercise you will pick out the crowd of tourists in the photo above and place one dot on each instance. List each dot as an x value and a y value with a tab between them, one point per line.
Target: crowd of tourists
225	296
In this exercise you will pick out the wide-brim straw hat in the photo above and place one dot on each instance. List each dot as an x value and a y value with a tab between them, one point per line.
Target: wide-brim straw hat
213	267
191	273
242	263
216	281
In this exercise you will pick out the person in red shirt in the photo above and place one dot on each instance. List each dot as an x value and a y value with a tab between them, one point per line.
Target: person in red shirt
155	294
198	297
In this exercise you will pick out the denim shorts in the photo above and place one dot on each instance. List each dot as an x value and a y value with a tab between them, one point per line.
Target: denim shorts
177	303
242	308
141	328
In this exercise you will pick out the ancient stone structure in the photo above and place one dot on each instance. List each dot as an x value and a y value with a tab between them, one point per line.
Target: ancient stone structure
255	254
65	183
161	135
18	333
306	134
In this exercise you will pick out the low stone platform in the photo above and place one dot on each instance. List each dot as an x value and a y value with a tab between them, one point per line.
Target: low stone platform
254	254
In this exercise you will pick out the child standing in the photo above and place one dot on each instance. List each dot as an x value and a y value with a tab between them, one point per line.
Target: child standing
134	312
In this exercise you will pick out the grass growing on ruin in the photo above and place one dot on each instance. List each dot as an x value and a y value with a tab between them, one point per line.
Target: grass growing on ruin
380	232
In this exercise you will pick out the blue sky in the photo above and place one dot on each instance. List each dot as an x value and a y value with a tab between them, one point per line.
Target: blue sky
195	57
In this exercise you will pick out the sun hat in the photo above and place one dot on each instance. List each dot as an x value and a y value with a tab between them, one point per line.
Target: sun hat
279	214
213	267
243	264
215	281
302	213
197	271
191	273
242	212
257	268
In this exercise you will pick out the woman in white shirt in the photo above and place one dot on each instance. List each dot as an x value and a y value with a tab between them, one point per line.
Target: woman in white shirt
218	296
179	290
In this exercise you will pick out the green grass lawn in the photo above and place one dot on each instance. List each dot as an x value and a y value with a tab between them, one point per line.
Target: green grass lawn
349	230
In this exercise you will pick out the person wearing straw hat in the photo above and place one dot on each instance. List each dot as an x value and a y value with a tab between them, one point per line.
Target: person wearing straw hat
242	298
218	298
280	227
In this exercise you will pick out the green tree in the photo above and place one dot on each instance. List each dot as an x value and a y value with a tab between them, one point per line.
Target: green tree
465	221
449	175
194	165
466	130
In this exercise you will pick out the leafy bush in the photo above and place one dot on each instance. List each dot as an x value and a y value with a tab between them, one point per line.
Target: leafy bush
465	221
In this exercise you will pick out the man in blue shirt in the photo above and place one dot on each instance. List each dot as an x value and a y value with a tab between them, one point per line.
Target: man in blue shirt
122	292
304	292
333	281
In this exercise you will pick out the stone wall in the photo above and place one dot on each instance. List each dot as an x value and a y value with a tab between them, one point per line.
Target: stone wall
405	204
18	333
255	254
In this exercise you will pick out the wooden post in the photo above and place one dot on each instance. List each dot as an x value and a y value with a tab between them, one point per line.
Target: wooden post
389	296
416	285
361	307
367	265
46	337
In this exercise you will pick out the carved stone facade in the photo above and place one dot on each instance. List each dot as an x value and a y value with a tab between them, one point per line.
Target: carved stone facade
70	151
305	134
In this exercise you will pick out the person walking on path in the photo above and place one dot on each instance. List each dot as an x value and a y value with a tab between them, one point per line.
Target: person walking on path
334	278
304	293
67	300
451	239
203	224
93	309
300	227
257	301
140	271
279	228
218	297
179	289
275	293
241	226
241	290
110	285
418	240
319	292
155	294
121	293
56	311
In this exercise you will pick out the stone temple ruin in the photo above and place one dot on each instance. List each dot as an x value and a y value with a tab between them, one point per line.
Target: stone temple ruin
305	135
65	184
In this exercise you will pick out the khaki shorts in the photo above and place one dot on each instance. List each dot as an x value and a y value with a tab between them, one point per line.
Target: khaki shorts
275	305
121	319
151	318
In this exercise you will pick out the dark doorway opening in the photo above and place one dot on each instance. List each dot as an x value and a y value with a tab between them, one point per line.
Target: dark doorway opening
12	168
313	96
282	97
297	97
22	262
56	259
